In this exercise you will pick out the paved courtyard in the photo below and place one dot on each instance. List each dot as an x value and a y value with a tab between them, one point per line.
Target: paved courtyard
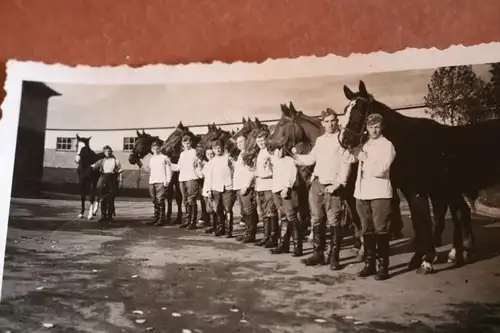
70	274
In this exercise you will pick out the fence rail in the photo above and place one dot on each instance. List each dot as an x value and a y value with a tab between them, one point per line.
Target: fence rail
402	108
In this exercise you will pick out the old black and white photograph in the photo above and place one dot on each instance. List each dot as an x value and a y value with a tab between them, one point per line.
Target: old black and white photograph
355	202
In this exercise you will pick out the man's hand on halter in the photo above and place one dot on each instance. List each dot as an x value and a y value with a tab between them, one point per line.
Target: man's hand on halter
294	150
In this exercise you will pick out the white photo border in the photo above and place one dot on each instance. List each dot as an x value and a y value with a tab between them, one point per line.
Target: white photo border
302	67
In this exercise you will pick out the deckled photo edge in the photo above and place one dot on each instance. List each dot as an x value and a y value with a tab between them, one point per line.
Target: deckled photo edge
306	66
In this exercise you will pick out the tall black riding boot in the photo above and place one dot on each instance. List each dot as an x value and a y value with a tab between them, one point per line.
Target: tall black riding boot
383	256
297	239
267	232
318	256
284	246
104	212
335	245
221	224
275	233
212	219
370	259
161	209
251	220
194	217
189	216
229	224
240	238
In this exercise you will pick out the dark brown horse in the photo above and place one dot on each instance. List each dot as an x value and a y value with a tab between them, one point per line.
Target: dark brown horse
87	176
431	160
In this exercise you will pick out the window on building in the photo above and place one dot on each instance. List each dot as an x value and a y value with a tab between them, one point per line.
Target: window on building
66	144
128	143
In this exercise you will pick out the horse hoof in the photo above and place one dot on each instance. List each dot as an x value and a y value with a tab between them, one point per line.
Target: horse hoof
80	216
425	269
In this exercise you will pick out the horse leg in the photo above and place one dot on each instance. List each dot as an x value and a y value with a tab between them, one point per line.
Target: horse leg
83	196
425	252
178	200
94	199
169	198
439	208
462	227
396	220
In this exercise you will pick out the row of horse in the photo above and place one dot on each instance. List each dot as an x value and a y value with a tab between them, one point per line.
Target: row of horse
445	165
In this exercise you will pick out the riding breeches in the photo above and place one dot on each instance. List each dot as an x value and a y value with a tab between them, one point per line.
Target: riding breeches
107	187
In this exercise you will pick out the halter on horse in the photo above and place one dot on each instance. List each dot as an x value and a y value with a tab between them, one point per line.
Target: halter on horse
417	142
87	177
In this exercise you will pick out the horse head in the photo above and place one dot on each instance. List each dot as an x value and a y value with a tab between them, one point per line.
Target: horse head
247	127
142	147
352	129
173	144
84	153
294	128
251	148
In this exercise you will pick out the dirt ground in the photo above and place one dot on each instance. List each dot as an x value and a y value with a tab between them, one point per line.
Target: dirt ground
72	274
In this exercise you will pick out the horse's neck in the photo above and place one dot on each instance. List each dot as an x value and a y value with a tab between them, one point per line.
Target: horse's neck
311	130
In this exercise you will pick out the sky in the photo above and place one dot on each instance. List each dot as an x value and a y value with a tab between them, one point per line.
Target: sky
143	106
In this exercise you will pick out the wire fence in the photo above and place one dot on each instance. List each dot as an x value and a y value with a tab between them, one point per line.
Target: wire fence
402	108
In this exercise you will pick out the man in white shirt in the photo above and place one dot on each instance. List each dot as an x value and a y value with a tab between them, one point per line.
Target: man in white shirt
187	166
373	195
110	180
160	175
221	183
207	193
330	173
243	184
285	182
263	188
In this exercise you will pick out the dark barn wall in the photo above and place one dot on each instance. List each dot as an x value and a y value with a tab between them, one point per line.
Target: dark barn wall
28	164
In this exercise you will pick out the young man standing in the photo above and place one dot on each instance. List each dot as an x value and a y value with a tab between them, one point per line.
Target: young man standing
243	183
111	178
160	175
263	188
221	182
188	178
287	200
330	173
207	192
373	195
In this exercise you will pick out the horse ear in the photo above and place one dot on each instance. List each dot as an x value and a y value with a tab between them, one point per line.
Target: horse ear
180	126
257	122
348	93
362	88
138	133
77	137
143	133
243	120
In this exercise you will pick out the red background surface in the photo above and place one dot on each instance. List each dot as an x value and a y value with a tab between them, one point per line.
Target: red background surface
139	32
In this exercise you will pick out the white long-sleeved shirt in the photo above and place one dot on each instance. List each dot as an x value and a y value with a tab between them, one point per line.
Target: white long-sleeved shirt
284	173
207	179
373	180
159	169
108	165
221	173
244	176
263	172
187	165
332	166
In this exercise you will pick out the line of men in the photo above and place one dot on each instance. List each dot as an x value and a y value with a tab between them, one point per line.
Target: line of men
272	182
